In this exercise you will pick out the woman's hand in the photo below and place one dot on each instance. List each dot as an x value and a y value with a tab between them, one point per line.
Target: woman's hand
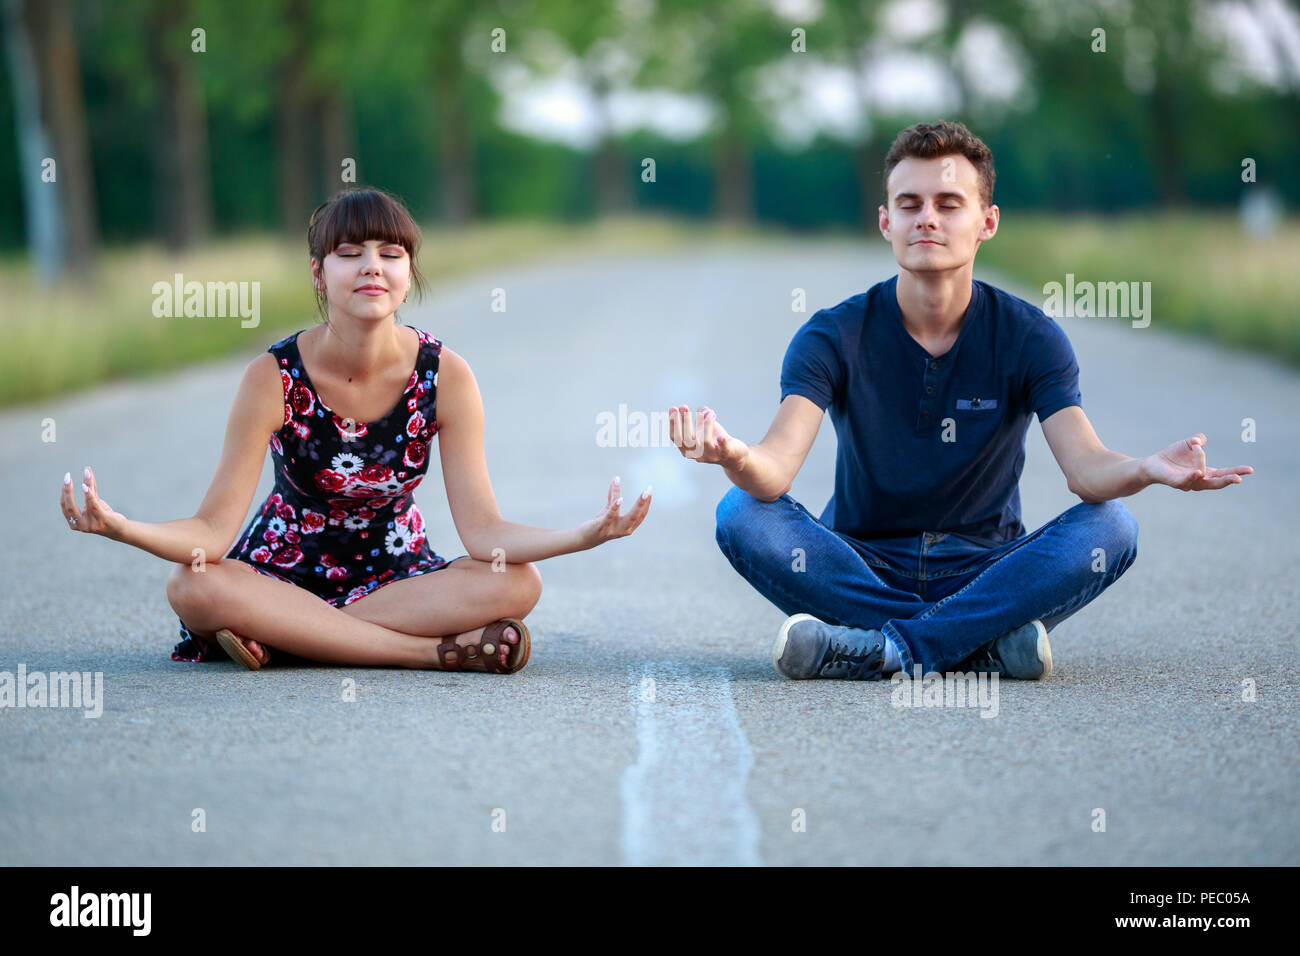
609	523
98	518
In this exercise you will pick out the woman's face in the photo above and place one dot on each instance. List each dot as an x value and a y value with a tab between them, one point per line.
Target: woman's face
367	280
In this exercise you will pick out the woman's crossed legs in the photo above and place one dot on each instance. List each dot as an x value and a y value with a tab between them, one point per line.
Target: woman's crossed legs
395	625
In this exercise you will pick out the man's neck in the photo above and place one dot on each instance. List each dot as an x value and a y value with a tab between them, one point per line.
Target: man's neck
933	304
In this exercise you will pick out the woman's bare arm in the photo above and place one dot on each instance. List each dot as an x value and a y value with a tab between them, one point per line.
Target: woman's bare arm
485	534
256	414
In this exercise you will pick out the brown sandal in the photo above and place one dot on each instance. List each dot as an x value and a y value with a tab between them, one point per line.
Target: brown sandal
233	646
450	653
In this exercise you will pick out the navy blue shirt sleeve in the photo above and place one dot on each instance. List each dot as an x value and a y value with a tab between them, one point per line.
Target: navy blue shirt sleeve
1051	372
813	367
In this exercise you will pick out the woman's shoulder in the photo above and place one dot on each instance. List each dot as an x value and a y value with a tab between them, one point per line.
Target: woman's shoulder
284	350
427	340
280	344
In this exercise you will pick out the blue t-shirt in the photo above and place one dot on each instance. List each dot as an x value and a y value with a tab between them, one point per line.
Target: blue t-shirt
930	443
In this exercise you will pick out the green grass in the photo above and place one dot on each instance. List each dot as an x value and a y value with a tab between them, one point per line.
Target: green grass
1208	277
64	337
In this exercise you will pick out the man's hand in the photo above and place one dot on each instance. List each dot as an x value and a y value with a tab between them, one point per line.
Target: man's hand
705	440
1182	465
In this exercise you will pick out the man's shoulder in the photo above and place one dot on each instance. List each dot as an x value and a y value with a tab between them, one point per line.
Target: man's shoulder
1020	314
852	311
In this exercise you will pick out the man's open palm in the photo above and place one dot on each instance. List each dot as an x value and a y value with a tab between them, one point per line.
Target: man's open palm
1182	465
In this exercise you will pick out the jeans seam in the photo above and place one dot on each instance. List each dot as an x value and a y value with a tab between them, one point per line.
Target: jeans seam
992	564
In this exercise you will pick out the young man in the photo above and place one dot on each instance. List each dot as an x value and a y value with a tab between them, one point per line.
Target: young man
920	557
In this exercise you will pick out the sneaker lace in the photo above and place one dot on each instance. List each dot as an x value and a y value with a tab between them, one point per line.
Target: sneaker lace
984	660
854	662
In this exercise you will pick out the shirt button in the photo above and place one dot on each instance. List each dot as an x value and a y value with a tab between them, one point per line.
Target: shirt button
933	366
929	390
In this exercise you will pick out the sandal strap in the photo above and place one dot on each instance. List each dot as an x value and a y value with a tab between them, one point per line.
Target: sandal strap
492	635
448	646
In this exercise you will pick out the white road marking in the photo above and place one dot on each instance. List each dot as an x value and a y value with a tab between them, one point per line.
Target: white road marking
684	800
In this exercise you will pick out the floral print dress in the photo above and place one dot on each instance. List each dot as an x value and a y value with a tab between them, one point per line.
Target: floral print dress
341	521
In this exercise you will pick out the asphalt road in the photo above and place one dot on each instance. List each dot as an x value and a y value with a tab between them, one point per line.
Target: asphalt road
569	761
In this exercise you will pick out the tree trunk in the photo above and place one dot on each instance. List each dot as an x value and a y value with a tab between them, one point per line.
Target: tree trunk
870	161
734	179
291	132
1167	145
612	192
611	178
182	174
456	186
338	140
51	121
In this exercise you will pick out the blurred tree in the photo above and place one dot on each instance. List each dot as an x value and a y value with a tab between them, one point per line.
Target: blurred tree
51	124
182	177
715	50
426	48
850	28
605	46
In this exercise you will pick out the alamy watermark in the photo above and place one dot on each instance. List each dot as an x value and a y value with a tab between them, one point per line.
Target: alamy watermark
636	429
76	908
211	300
954	689
1102	300
56	689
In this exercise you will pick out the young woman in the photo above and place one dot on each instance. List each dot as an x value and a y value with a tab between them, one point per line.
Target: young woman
335	567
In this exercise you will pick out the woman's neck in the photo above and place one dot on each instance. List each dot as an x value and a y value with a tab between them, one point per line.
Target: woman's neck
360	353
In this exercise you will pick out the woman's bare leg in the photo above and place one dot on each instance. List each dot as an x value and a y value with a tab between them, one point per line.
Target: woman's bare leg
267	611
461	599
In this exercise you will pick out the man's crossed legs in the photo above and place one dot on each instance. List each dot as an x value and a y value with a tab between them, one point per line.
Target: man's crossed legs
939	597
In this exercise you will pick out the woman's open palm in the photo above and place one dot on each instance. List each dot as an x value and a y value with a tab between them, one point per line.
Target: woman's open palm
609	523
98	517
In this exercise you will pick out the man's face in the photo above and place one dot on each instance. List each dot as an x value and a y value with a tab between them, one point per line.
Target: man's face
935	220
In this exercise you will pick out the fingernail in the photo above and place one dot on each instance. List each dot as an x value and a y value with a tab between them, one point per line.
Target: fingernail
619	503
87	473
85	487
616	479
67	477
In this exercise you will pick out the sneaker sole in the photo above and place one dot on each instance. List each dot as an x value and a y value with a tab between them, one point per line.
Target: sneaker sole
779	647
1044	649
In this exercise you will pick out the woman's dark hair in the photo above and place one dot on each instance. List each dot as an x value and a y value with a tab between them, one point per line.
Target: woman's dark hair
356	215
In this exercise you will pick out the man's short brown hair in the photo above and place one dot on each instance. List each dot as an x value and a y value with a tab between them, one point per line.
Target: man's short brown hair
932	140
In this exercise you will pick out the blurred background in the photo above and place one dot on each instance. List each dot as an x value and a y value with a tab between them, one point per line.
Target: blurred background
1145	141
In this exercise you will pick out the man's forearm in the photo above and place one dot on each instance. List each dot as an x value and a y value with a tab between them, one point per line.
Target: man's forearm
174	541
1108	474
759	475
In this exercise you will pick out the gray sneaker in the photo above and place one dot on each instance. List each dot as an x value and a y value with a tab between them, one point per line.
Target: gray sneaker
1022	654
807	648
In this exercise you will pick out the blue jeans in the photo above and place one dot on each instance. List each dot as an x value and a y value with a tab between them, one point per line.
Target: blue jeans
939	595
